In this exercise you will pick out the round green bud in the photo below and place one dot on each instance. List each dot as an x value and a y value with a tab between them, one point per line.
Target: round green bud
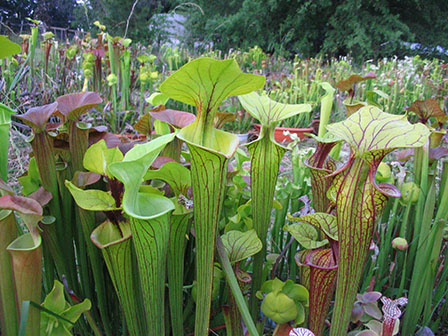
111	79
400	244
409	192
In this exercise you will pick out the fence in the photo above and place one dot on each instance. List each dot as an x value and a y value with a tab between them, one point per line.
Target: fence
14	29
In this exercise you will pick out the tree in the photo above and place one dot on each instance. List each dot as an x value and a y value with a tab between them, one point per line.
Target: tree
363	28
114	14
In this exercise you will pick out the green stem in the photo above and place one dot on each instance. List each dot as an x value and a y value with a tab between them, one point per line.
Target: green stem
235	288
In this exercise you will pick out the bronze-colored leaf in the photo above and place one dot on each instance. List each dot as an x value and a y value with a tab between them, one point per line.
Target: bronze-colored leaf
347	84
222	117
426	109
144	124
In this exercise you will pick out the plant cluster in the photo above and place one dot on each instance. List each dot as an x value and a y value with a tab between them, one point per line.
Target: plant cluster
127	77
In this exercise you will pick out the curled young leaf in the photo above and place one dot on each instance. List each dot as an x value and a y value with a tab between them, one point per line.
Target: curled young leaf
131	170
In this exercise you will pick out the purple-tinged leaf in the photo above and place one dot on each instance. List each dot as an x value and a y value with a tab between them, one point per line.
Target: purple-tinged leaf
178	119
41	196
96	135
372	309
357	312
37	117
84	179
72	106
369	297
321	165
160	161
29	209
144	124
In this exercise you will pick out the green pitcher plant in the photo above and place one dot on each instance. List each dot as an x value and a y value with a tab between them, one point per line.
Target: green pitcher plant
149	235
205	83
179	179
149	215
359	200
266	155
